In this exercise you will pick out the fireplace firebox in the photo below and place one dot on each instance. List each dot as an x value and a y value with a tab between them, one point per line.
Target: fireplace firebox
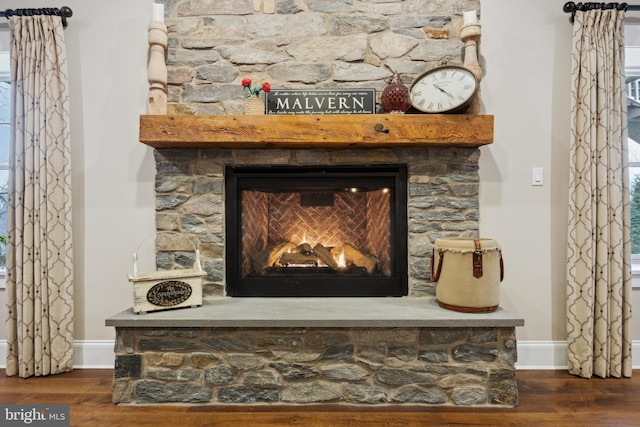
332	231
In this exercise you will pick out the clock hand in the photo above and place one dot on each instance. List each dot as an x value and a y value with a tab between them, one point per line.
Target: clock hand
443	91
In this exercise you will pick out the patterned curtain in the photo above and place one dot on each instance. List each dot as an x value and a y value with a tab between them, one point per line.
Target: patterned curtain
39	253
599	252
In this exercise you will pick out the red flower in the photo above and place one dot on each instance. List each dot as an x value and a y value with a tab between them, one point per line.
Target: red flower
254	90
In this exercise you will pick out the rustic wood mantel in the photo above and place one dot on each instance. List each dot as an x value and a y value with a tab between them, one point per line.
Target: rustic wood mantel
316	131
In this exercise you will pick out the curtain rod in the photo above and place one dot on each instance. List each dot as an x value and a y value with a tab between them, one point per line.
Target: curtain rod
572	8
64	12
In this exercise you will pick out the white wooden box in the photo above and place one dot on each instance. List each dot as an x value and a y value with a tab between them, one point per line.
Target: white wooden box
163	290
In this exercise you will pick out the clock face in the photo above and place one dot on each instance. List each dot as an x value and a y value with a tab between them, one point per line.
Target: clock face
443	89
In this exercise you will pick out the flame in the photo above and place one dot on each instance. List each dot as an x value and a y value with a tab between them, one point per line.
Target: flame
341	262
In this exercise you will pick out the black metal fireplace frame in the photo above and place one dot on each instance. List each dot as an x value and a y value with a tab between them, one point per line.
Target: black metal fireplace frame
239	178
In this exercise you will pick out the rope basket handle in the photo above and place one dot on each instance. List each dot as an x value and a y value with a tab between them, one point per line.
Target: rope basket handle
435	277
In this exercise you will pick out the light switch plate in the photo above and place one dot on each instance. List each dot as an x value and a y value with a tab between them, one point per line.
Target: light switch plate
537	176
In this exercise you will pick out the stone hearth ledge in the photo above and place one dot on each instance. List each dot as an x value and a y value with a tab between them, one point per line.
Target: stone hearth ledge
315	312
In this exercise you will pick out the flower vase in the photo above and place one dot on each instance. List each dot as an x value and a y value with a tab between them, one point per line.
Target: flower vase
254	106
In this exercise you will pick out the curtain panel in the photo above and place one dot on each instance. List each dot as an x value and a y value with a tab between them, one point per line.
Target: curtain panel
39	249
599	248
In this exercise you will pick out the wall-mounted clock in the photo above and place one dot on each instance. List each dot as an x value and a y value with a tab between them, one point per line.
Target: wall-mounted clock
444	89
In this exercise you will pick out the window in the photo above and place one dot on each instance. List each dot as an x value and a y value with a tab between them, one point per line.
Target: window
632	73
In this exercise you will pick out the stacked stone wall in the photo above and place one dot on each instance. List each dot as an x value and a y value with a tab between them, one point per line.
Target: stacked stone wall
430	366
214	44
443	201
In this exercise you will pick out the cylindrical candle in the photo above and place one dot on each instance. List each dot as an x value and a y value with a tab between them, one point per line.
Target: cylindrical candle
470	17
158	12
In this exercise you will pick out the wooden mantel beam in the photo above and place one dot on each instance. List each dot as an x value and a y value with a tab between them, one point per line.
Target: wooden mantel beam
316	131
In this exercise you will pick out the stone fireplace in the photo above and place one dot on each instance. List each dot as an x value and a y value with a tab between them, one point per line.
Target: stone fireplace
302	350
265	334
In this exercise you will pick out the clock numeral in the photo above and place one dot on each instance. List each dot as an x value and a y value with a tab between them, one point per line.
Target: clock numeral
430	107
468	87
443	75
439	106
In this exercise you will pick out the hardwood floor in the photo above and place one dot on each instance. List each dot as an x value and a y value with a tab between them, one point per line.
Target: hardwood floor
547	398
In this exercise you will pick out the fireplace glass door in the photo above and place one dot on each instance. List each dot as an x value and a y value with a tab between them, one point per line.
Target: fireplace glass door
316	231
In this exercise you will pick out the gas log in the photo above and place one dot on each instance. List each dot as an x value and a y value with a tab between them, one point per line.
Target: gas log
304	248
269	257
289	254
325	255
298	259
360	259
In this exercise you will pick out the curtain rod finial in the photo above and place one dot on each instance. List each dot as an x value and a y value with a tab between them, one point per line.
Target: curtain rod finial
66	11
569	7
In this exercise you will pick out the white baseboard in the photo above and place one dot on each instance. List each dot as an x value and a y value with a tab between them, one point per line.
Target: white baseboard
87	354
93	354
531	354
542	355
553	355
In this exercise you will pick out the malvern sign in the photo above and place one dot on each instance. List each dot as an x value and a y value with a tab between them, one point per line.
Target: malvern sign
321	101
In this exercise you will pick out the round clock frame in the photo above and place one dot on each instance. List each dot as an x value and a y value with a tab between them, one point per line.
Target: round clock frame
444	89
